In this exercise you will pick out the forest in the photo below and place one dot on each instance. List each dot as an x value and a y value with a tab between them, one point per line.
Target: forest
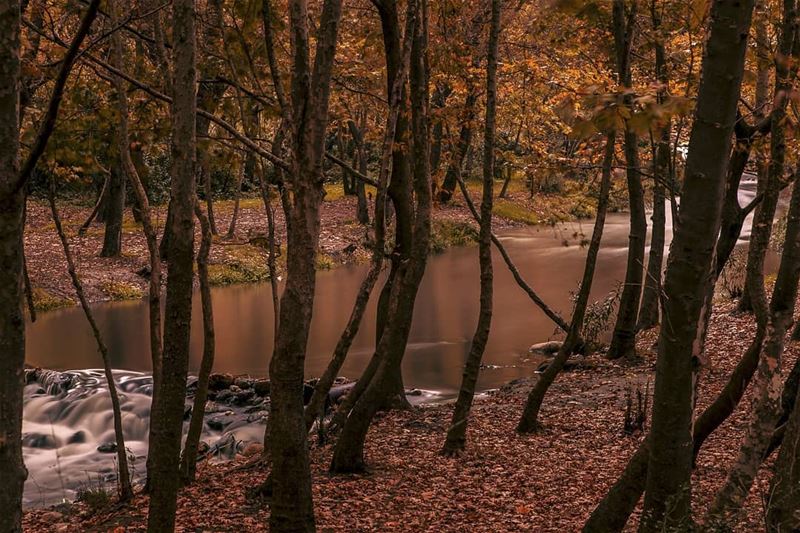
399	265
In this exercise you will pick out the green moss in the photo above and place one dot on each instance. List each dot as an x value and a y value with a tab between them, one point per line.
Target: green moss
120	290
241	264
44	300
448	233
515	212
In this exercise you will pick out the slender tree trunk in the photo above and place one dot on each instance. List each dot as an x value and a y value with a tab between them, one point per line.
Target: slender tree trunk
349	452
292	506
125	488
113	212
457	433
649	310
167	424
623	341
190	447
12	321
689	271
529	422
768	385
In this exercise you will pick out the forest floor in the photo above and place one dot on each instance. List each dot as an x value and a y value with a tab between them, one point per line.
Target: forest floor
547	482
242	258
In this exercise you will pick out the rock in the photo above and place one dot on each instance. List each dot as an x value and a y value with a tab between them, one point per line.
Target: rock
224	395
243	383
79	437
545	348
350	249
220	422
414	392
107	447
243	396
39	440
253	449
202	448
144	272
218	382
337	393
261	386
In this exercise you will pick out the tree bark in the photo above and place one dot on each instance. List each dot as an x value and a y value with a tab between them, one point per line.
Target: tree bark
623	341
114	210
649	310
12	320
189	457
457	433
529	422
292	507
167	413
125	488
349	452
689	270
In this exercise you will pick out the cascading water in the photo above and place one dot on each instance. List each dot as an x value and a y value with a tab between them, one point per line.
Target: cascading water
68	431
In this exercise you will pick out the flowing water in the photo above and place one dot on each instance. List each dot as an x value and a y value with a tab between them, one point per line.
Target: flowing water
550	259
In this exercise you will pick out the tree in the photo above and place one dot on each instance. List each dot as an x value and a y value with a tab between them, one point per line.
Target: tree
623	342
349	452
689	269
457	433
292	507
167	411
12	324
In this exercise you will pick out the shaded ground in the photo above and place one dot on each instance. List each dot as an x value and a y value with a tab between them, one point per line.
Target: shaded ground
548	482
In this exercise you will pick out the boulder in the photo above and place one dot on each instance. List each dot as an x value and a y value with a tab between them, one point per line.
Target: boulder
79	437
545	348
39	440
261	386
218	382
107	447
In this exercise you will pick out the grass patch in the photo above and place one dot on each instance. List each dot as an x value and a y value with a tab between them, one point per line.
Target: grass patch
448	233
334	191
97	499
324	262
515	212
241	264
120	290
43	300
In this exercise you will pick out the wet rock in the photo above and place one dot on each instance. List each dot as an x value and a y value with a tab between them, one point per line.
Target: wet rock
225	447
337	393
218	382
545	348
242	397
220	422
39	440
243	383
414	392
79	437
224	395
261	386
107	447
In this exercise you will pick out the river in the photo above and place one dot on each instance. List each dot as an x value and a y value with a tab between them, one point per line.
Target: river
550	259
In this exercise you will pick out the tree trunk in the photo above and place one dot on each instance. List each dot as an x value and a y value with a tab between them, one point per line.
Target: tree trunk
12	321
766	409
689	270
529	422
623	341
649	310
167	413
457	433
125	488
292	506
349	452
113	212
189	458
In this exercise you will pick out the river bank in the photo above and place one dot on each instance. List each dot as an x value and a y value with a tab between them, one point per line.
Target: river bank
242	259
504	482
